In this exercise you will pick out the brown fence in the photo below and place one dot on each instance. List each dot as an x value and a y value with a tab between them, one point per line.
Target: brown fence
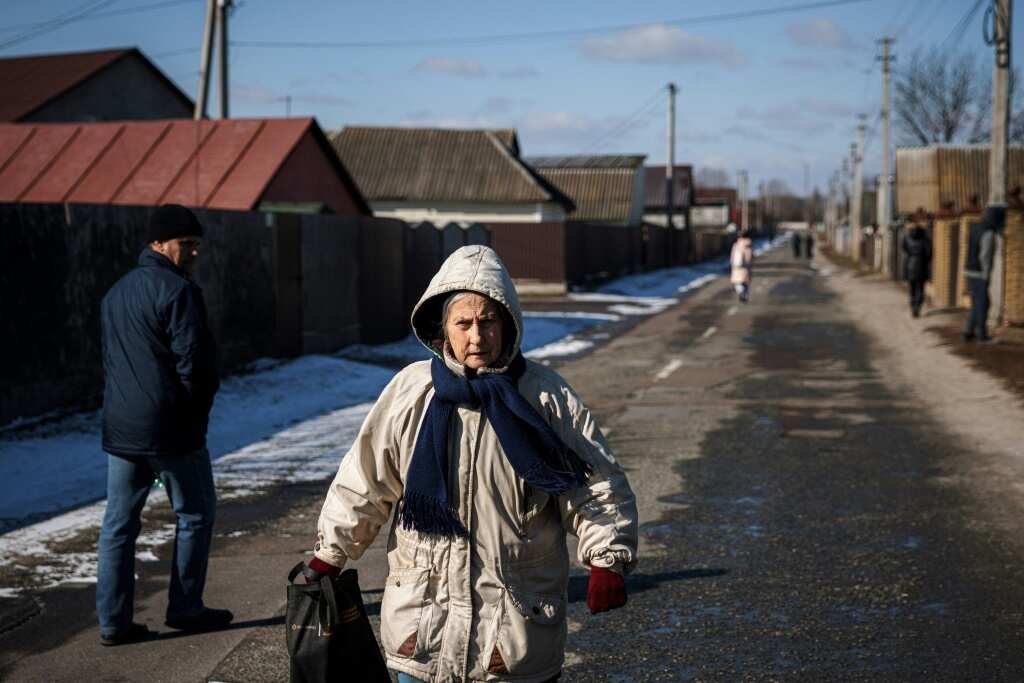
532	252
1013	268
945	253
274	284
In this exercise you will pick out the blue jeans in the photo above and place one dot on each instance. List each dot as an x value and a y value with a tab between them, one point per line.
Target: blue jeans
188	480
978	318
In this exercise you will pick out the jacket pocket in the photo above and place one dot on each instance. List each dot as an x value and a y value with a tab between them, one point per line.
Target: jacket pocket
531	638
402	612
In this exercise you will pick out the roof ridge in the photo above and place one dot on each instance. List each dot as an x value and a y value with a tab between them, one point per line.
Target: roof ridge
518	163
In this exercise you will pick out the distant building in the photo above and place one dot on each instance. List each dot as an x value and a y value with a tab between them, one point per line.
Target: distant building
656	203
715	207
107	85
605	188
444	175
231	164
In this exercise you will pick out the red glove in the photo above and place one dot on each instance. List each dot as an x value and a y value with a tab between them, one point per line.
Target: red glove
606	590
316	568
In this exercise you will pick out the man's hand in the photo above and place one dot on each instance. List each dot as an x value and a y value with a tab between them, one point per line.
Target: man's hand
606	590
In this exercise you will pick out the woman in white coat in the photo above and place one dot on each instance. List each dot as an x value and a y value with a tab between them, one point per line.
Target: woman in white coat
489	460
742	261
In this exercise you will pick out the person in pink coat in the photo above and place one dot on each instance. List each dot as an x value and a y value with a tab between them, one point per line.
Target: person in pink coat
742	261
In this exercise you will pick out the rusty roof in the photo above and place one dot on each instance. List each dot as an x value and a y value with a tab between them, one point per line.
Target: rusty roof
654	187
711	195
602	186
222	164
28	83
441	165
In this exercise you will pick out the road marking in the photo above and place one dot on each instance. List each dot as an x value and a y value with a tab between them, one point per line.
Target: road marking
671	367
732	310
708	332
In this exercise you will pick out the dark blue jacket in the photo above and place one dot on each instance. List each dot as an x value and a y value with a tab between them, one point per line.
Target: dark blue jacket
159	362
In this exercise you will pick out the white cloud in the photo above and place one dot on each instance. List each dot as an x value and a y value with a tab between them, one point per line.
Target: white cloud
465	68
820	33
662	44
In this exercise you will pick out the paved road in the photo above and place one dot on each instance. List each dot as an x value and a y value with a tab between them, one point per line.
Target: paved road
810	511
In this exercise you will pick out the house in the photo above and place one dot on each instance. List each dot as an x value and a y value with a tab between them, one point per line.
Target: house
715	207
656	204
605	188
464	176
105	85
231	164
444	175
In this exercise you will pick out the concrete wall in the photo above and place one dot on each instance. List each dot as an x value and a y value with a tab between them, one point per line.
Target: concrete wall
126	90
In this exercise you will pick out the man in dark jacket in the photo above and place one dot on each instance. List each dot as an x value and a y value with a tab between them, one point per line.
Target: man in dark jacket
160	377
917	265
981	249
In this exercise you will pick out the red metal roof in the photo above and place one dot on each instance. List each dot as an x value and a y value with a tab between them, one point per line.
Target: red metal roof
28	83
222	164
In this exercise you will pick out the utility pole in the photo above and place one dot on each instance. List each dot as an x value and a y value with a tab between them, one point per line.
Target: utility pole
1002	15
206	56
741	180
884	197
222	38
670	167
858	186
807	194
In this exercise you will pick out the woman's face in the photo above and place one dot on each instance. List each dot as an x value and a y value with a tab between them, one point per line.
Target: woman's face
474	330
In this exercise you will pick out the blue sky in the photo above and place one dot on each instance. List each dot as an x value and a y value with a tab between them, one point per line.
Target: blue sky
767	93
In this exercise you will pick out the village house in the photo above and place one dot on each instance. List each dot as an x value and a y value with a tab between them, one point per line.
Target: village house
656	203
104	85
464	176
605	188
229	164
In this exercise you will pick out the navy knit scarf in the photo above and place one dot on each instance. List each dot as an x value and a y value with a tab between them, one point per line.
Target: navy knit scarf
531	446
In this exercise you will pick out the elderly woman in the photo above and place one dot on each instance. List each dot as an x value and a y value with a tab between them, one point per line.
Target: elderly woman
490	460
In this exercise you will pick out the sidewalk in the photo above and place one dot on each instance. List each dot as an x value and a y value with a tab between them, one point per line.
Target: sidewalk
1003	360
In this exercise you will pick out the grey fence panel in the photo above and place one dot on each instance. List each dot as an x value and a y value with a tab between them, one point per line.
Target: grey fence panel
382	280
423	257
477	233
453	237
330	282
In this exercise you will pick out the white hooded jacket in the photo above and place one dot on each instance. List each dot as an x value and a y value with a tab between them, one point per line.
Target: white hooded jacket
490	607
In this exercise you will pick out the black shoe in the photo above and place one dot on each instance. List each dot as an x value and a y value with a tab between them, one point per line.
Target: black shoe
135	633
967	337
207	620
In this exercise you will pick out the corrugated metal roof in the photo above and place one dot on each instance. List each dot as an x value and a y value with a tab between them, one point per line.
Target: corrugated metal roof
602	187
624	161
434	164
929	177
28	83
654	187
224	164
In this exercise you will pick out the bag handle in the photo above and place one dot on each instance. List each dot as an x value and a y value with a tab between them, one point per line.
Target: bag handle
327	602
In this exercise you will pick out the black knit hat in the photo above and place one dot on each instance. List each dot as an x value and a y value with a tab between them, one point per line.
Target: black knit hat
170	221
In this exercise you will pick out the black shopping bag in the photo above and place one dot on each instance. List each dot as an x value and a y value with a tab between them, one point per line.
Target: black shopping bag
329	636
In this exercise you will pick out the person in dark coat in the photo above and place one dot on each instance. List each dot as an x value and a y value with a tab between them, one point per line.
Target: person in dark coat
795	239
917	265
809	245
981	249
160	377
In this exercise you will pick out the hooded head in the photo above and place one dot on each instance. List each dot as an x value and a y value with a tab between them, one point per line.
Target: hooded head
994	217
475	269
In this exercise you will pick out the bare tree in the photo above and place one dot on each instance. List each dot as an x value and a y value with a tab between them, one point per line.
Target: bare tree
947	97
710	176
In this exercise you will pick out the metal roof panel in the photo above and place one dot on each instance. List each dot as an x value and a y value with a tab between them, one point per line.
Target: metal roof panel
32	160
83	152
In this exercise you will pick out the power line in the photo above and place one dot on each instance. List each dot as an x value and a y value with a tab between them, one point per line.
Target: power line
58	21
541	35
104	15
960	28
642	110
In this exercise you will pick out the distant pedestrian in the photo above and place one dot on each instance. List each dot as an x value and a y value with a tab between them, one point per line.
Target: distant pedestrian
795	240
160	377
917	264
809	245
981	249
742	261
485	460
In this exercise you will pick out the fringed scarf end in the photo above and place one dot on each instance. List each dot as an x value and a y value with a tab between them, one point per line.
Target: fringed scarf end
428	515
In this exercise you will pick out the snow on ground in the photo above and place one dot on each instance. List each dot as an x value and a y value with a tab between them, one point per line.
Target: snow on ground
279	422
